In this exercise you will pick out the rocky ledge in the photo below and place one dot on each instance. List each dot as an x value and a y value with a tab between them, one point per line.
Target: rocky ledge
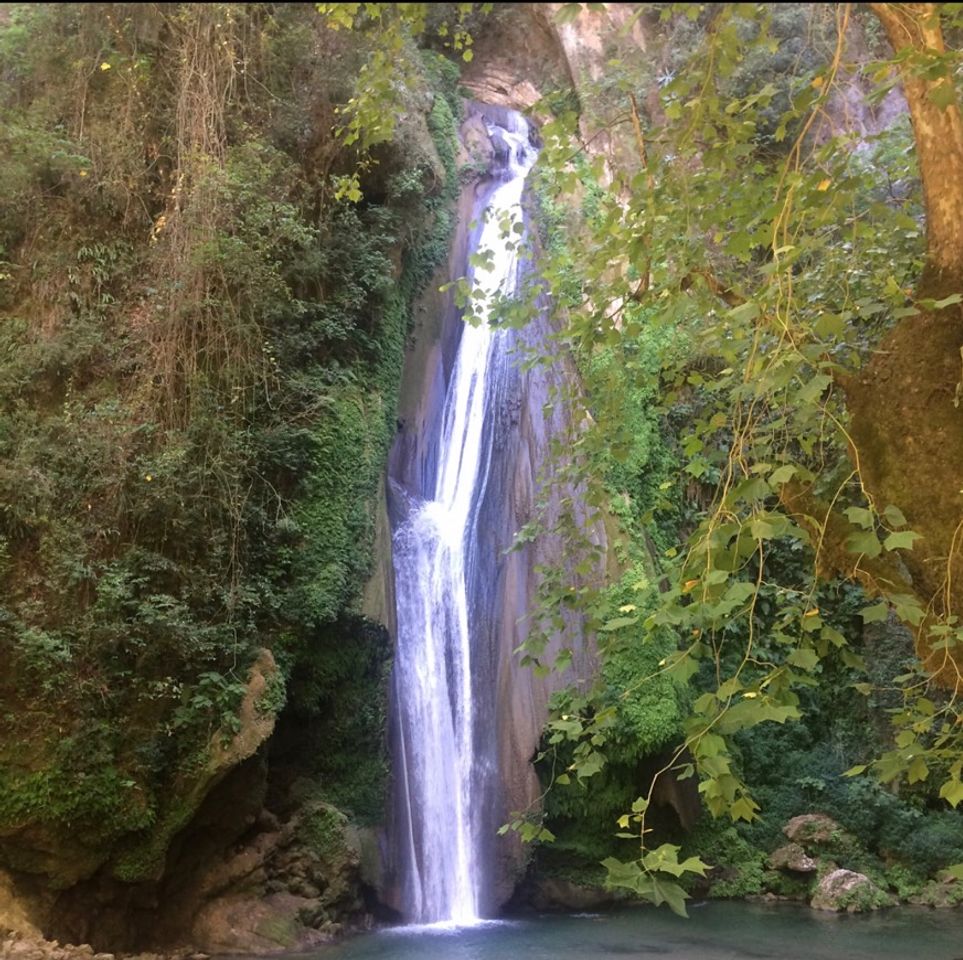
17	946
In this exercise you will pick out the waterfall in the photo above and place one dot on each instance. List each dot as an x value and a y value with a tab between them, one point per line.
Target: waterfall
438	766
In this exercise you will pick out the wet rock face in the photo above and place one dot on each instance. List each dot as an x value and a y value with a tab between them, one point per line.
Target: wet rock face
15	909
287	886
524	52
102	903
817	845
556	893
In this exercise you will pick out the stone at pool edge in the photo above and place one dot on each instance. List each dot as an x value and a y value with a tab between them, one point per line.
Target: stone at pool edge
847	890
17	946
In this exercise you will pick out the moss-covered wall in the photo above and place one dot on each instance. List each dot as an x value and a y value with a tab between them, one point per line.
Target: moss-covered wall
199	372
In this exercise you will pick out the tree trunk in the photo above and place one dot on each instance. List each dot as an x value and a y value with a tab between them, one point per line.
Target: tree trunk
938	129
906	423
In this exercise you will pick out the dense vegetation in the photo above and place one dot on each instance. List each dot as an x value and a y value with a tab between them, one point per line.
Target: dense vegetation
724	272
199	360
209	251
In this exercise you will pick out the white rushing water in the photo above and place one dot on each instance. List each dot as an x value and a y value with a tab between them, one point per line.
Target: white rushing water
432	557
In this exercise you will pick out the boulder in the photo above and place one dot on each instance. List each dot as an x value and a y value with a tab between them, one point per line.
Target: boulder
556	893
812	828
255	924
474	144
847	890
285	889
16	912
792	856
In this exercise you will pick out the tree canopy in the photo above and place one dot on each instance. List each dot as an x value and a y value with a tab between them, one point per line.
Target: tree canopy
787	289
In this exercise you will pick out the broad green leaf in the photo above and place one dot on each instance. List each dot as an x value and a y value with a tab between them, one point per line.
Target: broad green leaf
861	517
814	389
866	543
694	865
942	94
621	874
671	893
907	608
901	540
949	301
745	312
829	326
744	809
894	516
852	660
804	658
876	613
917	771
589	766
568	12
952	792
766	527
782	474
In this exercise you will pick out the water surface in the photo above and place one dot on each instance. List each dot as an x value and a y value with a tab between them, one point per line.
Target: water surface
714	931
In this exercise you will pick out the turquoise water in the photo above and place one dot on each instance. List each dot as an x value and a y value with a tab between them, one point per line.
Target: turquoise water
714	931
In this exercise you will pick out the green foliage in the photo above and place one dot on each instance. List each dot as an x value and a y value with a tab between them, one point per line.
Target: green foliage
738	868
904	882
322	829
734	262
337	716
199	364
82	790
863	897
650	876
389	72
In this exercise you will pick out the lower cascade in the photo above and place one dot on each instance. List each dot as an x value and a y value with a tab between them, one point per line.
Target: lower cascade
442	734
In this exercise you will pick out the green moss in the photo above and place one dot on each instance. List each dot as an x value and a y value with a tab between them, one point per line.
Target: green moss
275	695
283	931
142	855
784	884
904	881
338	708
940	894
738	868
322	830
75	791
578	866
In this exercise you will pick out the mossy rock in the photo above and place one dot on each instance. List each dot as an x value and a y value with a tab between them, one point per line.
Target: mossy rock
792	856
845	890
813	828
143	858
939	894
